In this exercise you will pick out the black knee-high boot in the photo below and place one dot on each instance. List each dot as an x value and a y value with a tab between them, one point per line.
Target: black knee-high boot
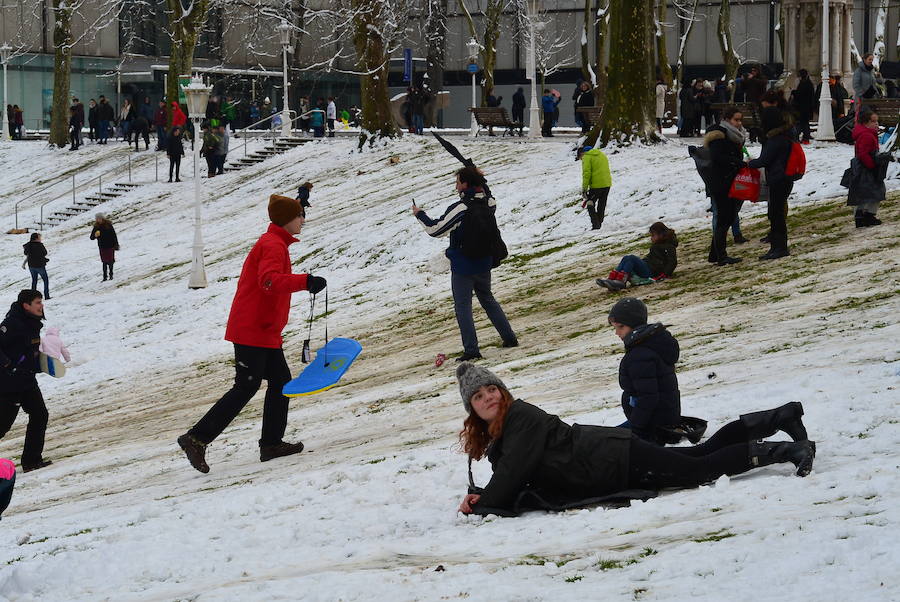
105	278
786	418
111	271
800	453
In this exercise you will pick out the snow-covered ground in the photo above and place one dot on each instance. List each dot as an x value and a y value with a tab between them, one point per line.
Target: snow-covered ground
369	512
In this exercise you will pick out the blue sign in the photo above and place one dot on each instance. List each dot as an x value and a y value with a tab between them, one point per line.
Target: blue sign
472	68
407	64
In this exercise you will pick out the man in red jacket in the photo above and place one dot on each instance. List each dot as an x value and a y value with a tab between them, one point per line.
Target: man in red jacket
259	312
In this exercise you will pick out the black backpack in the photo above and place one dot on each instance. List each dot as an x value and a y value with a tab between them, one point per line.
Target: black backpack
481	236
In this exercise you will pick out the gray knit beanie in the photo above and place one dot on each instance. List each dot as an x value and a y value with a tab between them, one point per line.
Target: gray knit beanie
628	311
471	378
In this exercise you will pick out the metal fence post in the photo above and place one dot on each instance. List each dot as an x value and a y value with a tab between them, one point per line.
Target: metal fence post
100	185
129	166
73	189
156	156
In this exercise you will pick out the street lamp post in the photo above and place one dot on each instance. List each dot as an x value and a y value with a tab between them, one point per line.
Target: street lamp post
197	94
825	130
284	30
534	117
5	50
473	48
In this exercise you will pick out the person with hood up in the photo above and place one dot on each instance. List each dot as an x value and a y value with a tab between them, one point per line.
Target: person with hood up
725	141
179	119
596	180
776	149
52	345
258	316
541	462
549	105
867	188
518	106
20	338
36	258
660	262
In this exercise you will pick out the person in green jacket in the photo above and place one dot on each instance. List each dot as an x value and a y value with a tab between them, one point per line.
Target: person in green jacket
595	183
659	263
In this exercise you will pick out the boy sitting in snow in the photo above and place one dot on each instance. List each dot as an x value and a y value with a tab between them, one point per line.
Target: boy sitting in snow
659	263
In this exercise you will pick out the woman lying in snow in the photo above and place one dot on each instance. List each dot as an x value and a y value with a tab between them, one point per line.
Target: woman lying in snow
660	262
541	462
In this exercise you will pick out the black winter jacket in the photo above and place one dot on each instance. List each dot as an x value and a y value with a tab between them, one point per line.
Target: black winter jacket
174	146
538	452
36	254
105	112
726	158
662	258
650	395
20	340
105	236
776	146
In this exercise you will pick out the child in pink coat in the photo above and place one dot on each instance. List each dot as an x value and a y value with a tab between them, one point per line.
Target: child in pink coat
52	345
7	482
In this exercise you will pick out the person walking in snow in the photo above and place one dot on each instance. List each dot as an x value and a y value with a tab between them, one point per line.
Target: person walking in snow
175	151
867	188
549	104
725	141
36	259
518	106
258	315
469	274
52	345
20	338
331	115
541	462
303	194
596	181
107	242
660	262
105	116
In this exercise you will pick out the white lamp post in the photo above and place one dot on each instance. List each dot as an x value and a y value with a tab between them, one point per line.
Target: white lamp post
534	116
284	30
197	98
826	126
473	48
5	50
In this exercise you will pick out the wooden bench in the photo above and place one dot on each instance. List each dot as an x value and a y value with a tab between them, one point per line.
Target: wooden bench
748	110
590	114
490	117
888	110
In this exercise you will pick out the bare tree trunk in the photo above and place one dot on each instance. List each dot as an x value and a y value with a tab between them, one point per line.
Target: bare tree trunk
62	70
662	54
629	112
602	32
376	120
295	60
682	46
586	74
184	29
731	58
436	41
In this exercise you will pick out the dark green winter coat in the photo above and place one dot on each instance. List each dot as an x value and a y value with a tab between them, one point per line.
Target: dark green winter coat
567	465
663	258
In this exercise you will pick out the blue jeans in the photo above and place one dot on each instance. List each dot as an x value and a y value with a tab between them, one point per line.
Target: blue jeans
103	131
418	123
42	272
463	285
161	136
634	265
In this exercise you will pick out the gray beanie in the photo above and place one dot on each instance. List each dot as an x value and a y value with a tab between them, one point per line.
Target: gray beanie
471	378
628	311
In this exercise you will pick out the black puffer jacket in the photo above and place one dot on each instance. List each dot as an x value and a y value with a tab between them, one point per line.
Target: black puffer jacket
650	395
20	341
105	235
36	254
776	147
726	158
538	452
663	258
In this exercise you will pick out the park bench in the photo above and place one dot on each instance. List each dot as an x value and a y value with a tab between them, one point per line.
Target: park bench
748	110
590	114
888	110
491	117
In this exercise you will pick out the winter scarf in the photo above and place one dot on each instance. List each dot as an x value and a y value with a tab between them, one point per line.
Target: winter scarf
736	135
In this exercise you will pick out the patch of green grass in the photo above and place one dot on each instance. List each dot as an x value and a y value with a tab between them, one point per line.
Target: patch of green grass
609	564
376	460
523	258
716	536
574	578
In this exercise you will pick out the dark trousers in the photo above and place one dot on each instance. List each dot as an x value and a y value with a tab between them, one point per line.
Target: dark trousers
596	206
463	285
103	131
803	126
518	114
331	128
252	365
211	165
778	209
138	134
32	402
547	128
42	272
160	137
174	163
653	467
726	210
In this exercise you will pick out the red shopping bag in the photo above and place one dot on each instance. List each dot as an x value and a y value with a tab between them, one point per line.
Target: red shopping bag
745	186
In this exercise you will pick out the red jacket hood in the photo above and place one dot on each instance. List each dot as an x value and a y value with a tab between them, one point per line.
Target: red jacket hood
860	130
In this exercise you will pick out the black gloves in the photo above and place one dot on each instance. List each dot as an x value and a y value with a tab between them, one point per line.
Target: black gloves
315	284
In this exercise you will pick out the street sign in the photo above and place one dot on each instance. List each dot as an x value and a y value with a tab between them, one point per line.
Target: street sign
407	64
472	68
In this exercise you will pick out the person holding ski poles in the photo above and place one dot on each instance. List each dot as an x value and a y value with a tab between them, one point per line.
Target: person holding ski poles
259	313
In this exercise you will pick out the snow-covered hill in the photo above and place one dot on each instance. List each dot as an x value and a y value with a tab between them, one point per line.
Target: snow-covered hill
369	512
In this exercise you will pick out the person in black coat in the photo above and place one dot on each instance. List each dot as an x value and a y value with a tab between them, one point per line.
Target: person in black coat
776	149
20	340
518	106
93	120
725	142
539	461
140	128
36	258
103	232
175	151
803	102
583	97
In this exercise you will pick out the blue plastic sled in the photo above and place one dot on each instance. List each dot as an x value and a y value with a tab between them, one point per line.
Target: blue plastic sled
319	375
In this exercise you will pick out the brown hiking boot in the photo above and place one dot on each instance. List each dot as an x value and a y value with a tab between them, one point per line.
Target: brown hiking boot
270	452
195	452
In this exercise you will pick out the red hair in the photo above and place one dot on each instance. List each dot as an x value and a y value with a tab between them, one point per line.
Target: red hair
477	435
